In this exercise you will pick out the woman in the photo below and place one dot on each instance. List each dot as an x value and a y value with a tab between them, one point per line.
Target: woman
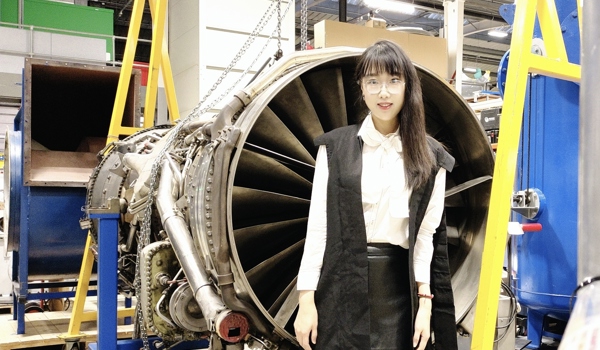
375	274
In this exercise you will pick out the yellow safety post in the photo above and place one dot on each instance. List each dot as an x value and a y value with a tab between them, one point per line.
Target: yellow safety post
159	57
165	66
85	273
158	23
521	62
115	129
78	315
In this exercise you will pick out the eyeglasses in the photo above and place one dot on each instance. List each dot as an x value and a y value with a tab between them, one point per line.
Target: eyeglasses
374	86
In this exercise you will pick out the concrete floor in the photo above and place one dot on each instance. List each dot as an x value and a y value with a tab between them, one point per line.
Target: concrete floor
464	343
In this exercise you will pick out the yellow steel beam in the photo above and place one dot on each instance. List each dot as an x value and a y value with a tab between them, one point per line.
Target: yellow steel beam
158	31
121	313
114	131
77	315
158	57
169	85
553	68
167	74
504	172
115	128
551	31
83	283
127	130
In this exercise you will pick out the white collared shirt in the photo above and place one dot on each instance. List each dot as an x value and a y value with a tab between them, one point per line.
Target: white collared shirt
385	207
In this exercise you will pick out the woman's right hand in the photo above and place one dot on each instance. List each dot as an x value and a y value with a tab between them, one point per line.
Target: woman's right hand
306	321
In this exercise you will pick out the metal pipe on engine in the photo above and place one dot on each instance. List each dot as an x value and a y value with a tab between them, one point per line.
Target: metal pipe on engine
193	126
177	176
183	245
224	119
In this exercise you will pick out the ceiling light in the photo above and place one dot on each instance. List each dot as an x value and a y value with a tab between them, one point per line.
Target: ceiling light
469	70
399	28
498	33
388	5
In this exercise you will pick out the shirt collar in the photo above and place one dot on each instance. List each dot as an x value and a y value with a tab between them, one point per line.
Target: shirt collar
374	138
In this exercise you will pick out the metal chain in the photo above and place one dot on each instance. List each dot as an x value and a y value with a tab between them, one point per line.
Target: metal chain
303	24
261	24
236	83
146	225
279	19
197	112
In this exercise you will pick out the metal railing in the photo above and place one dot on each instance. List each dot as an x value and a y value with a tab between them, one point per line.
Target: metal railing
30	44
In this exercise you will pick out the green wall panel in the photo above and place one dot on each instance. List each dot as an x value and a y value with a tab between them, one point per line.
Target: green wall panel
9	11
56	15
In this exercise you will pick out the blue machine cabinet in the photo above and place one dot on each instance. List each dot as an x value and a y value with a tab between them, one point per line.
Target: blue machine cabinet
43	233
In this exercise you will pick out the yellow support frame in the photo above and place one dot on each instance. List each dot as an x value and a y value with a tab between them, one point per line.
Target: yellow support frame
159	57
78	315
521	62
116	129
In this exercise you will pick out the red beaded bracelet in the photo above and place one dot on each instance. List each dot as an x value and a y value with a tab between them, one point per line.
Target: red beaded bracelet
426	296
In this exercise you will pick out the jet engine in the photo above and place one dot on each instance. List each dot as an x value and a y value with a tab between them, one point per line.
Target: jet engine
214	209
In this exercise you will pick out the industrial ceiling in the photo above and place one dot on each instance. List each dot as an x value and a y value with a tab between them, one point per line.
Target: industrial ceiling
480	50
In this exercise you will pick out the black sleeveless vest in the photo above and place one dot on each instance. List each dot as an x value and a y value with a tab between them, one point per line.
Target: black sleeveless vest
342	292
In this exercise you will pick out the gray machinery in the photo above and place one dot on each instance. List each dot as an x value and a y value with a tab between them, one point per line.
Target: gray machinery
214	209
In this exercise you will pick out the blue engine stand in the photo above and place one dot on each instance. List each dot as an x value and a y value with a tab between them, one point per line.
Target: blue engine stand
108	239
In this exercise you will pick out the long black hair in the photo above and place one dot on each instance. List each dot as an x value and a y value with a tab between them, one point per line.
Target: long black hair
387	57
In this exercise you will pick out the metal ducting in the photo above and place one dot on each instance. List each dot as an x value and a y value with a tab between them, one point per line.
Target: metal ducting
242	184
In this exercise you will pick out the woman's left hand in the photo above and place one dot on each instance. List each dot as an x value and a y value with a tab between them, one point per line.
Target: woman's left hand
422	325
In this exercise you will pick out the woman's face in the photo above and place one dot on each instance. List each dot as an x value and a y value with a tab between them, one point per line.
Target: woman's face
384	96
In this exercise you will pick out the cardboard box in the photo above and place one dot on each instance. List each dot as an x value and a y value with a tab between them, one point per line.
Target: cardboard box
427	51
376	23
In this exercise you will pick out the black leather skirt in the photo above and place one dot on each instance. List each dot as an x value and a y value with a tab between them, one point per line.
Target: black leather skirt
389	297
